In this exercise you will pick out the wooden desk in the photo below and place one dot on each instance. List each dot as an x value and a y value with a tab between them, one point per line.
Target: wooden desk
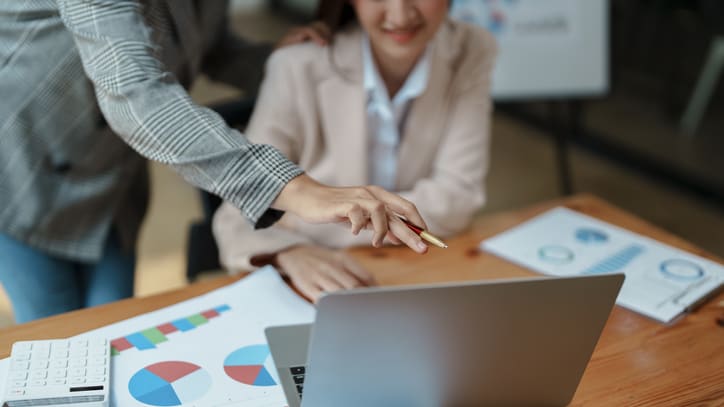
638	362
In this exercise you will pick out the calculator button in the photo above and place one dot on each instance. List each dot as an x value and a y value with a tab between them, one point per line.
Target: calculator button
21	356
19	375
82	343
97	360
22	346
18	365
38	365
79	371
17	392
59	354
97	371
77	380
58	373
37	383
96	379
59	364
39	374
77	362
18	383
78	352
58	381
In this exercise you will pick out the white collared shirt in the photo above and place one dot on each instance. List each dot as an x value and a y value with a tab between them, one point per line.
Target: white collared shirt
385	118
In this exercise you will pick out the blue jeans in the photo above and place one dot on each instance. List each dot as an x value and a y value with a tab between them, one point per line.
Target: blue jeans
41	285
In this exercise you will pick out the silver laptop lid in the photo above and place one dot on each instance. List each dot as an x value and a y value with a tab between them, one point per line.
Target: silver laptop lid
504	342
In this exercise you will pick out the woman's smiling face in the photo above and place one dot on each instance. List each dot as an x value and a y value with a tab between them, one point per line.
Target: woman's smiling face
399	30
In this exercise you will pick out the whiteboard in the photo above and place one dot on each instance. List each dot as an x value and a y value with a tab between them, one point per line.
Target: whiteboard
547	48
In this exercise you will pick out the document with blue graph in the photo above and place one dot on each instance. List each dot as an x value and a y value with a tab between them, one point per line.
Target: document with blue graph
209	351
661	281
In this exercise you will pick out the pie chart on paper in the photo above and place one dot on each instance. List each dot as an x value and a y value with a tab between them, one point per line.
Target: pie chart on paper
170	383
252	365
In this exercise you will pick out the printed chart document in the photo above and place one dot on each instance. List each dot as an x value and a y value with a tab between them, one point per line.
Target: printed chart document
207	351
661	281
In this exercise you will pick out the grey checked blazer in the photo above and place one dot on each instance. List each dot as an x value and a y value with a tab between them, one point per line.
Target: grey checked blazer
68	67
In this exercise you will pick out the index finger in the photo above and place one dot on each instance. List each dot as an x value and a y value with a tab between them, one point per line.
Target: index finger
378	217
398	204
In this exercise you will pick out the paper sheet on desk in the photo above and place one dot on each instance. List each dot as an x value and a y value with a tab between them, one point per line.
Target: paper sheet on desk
207	351
661	281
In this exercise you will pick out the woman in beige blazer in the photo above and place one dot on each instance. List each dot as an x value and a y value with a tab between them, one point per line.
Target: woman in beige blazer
315	105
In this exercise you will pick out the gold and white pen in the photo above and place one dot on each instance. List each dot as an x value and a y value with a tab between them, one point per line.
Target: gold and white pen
424	234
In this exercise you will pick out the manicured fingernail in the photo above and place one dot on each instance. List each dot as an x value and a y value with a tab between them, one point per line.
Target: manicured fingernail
421	246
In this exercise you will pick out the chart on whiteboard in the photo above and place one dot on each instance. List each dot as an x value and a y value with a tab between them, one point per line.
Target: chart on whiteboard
661	281
521	20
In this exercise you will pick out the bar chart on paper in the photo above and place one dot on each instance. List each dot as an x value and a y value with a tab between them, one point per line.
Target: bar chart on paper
205	351
616	261
251	365
171	383
149	338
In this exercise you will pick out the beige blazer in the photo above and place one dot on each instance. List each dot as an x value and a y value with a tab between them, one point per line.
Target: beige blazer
312	106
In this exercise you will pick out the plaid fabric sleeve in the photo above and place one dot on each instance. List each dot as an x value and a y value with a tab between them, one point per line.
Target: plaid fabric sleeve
145	105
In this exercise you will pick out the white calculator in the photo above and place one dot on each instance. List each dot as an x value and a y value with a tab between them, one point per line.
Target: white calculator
59	372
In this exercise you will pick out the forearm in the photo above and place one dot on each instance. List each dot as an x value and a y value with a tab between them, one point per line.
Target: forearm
153	114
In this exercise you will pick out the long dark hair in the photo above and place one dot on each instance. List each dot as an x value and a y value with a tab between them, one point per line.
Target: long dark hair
335	13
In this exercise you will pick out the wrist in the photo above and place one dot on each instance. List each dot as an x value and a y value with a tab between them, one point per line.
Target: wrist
292	192
272	259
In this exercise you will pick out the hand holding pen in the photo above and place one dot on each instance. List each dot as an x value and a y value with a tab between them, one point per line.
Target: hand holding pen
425	235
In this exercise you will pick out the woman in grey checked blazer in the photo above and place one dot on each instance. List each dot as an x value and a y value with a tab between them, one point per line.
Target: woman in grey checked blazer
90	90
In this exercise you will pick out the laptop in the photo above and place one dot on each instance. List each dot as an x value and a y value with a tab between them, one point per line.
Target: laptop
518	342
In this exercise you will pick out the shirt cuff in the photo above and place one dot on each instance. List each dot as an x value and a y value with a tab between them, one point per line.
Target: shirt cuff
262	176
270	217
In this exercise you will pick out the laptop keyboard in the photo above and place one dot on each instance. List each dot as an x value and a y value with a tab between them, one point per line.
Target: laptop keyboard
298	376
